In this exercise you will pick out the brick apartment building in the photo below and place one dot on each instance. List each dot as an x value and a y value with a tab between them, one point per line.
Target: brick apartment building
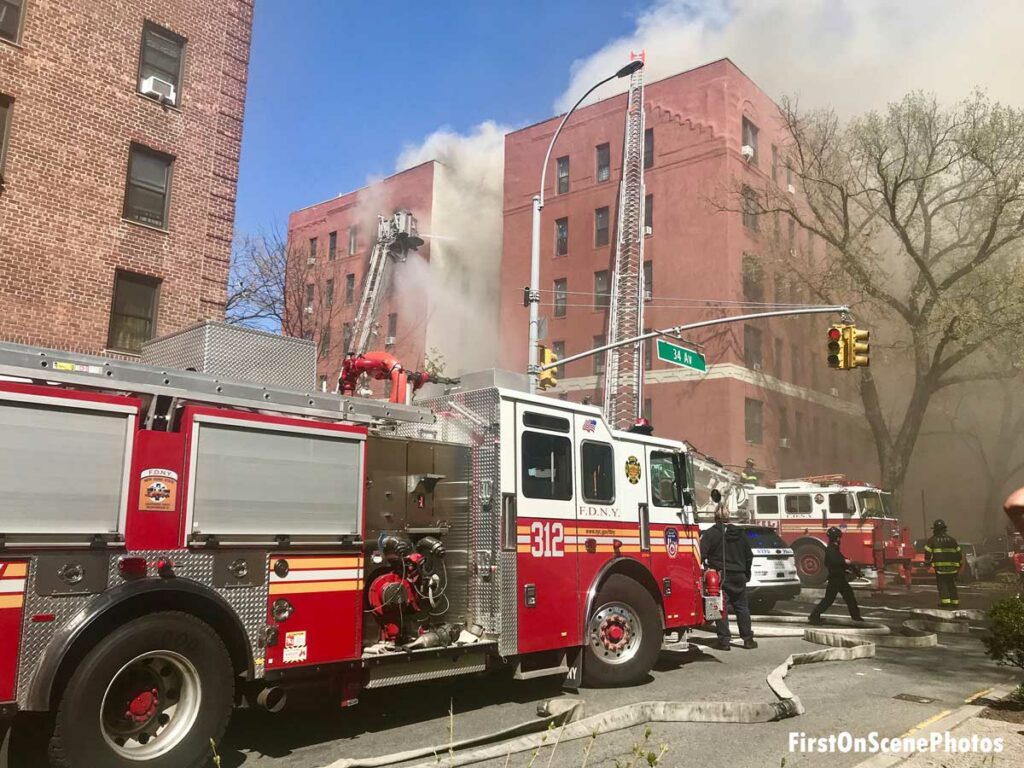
117	205
768	393
440	304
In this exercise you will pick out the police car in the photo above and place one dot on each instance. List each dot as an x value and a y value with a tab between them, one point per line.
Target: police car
773	575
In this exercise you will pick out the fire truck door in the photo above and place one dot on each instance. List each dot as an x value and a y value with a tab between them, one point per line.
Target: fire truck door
674	539
545	529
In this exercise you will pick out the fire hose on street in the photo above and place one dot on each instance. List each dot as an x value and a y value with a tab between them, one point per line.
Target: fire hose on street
847	640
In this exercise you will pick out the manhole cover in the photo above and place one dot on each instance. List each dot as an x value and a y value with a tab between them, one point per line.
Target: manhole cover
915	699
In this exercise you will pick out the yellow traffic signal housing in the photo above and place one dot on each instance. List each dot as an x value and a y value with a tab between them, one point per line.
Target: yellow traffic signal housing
837	347
547	378
857	347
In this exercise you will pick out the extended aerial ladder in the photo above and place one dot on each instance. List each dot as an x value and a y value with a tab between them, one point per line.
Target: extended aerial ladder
623	386
396	236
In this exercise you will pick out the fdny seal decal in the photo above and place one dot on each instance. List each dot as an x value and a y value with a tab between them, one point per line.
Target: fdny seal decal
671	542
158	490
633	470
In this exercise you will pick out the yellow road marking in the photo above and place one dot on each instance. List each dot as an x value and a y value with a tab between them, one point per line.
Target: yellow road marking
978	695
929	721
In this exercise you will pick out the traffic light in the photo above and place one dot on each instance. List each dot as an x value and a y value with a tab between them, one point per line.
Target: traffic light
547	378
836	347
857	347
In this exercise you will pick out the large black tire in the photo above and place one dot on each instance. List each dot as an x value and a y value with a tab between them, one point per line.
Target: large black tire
623	609
810	564
762	605
152	653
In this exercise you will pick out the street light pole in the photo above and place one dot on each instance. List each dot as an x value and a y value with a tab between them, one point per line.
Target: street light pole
533	297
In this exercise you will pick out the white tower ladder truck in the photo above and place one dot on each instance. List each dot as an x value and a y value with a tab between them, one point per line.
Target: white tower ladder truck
623	385
396	235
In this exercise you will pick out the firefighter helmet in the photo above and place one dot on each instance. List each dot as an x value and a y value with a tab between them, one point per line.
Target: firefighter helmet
834	534
938	526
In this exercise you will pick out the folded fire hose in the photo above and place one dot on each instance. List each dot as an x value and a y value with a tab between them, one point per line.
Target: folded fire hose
847	640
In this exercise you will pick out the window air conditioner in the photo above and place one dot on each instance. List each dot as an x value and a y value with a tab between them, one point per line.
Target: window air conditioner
783	442
310	260
648	295
308	310
648	229
756	366
161	89
791	189
834	392
747	152
389	341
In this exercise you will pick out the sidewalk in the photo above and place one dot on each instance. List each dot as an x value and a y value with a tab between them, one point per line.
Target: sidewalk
962	723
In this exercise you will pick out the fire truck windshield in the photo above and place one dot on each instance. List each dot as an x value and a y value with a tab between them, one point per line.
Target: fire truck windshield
665	485
874	504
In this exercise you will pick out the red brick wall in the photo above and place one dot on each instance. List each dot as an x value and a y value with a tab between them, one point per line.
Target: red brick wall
697	252
76	111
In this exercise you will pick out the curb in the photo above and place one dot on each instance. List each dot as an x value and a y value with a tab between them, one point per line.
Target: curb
946	723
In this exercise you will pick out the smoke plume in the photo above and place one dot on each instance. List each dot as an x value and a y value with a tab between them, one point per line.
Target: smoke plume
854	55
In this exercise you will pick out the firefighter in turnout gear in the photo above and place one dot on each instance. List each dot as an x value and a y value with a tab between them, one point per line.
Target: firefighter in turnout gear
837	583
942	552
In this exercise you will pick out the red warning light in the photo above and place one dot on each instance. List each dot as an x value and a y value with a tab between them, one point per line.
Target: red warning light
834	334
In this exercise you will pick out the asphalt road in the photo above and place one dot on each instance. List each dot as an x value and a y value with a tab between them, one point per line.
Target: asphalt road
856	696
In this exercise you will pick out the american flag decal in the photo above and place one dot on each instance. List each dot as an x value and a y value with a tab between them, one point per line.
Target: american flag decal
590	425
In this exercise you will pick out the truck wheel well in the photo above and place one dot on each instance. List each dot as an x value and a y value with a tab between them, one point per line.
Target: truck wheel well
807	540
634	570
153	602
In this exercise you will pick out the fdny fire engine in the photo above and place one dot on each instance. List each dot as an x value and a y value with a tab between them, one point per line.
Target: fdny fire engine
174	543
803	510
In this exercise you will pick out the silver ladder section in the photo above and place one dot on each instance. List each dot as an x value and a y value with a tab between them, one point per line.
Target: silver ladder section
623	385
395	236
100	373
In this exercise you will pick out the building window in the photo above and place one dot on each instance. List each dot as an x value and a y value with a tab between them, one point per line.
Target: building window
798	431
792	236
783	424
561	296
813	437
602	289
312	250
750	138
648	409
561	237
133	311
789	179
323	383
649	214
346	338
648	148
750	218
558	348
597	467
5	121
332	246
648	280
775	163
160	63
794	354
10	19
325	342
353	240
777	362
648	351
149	186
753	424
599	341
600	227
753	278
562	173
604	162
752	354
329	293
309	297
350	288
813	368
393	325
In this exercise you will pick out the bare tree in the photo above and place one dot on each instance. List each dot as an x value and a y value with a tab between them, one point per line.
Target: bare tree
921	209
283	287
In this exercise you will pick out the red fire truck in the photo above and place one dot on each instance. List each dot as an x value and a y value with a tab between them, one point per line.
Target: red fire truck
803	510
175	543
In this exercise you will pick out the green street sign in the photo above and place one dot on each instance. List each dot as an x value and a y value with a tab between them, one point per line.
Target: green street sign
673	353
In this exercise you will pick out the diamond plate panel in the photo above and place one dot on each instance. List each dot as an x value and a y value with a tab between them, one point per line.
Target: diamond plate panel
427	669
233	352
249	604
